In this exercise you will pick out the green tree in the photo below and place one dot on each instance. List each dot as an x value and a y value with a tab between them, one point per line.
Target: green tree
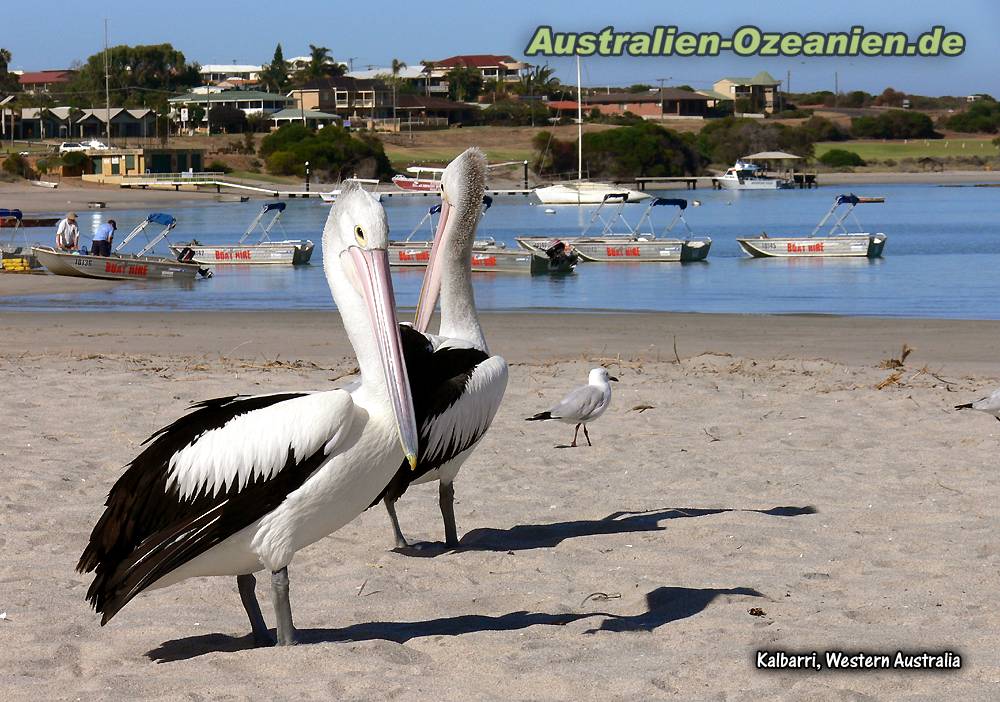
275	76
841	158
139	76
894	124
227	119
333	153
725	140
8	81
320	65
464	83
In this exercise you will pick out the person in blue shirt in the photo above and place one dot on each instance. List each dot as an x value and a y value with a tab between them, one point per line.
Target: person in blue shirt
103	237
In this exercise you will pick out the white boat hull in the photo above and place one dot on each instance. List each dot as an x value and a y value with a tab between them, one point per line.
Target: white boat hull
287	253
840	246
616	249
584	194
485	259
753	184
116	266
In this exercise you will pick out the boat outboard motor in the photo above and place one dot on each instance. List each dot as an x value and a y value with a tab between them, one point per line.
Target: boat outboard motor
561	253
205	272
185	255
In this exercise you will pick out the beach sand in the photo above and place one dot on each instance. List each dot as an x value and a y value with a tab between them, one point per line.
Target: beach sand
767	473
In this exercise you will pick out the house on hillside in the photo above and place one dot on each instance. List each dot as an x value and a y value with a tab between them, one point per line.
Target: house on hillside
344	96
490	66
243	74
45	81
134	123
414	76
251	102
666	103
761	90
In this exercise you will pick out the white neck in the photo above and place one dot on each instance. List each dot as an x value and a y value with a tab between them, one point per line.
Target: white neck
459	319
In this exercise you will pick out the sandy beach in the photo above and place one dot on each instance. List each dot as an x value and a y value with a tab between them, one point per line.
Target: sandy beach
766	473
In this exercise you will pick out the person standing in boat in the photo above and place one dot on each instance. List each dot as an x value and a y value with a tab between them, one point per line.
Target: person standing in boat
103	237
67	233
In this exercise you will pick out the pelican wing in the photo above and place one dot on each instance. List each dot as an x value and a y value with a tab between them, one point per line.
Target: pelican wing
202	479
579	404
456	393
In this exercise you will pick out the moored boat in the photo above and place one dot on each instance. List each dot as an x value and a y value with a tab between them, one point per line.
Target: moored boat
584	193
838	242
618	241
119	266
418	182
289	252
488	255
749	176
369	184
15	257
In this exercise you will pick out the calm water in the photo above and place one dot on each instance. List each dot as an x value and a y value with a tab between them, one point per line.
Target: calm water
941	259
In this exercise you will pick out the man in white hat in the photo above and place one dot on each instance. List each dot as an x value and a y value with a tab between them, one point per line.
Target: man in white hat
67	233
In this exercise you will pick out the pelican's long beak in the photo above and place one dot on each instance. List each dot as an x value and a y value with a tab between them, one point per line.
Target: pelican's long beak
431	287
372	267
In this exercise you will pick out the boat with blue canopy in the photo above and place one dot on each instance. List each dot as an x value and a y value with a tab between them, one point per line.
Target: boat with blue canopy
837	242
16	257
609	238
122	266
263	251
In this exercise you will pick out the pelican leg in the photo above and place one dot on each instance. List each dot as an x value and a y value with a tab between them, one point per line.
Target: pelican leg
586	435
446	499
575	432
282	608
390	507
247	584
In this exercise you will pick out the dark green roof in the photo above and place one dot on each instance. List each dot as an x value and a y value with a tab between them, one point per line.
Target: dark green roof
762	78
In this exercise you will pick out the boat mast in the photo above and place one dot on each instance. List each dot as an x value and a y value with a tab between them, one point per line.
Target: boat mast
107	86
579	122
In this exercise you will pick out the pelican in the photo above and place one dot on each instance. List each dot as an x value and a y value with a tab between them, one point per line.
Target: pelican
989	404
583	404
243	482
457	384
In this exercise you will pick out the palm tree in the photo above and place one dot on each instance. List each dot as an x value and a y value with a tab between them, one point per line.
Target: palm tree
397	66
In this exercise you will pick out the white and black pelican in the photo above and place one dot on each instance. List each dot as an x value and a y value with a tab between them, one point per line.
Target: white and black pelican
583	404
242	483
457	385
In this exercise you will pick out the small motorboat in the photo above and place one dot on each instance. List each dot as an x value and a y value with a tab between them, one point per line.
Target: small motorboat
838	242
488	255
618	241
584	193
749	176
418	182
289	252
15	257
120	266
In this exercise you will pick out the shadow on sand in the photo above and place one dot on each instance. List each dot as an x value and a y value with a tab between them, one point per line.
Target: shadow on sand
524	537
663	606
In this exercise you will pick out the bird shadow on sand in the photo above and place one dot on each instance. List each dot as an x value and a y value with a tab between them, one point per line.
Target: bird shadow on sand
524	537
663	606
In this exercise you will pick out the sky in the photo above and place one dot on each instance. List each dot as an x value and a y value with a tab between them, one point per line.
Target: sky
223	31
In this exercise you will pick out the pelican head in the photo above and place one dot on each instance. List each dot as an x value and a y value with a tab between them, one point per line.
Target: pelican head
355	240
463	185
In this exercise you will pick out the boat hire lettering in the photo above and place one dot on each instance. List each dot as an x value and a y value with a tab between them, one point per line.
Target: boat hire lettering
805	248
414	255
487	261
121	268
223	255
623	251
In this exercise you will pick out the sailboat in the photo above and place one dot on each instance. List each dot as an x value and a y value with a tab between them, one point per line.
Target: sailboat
581	192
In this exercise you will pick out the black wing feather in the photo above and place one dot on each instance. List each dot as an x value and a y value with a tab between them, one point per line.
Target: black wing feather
147	530
437	380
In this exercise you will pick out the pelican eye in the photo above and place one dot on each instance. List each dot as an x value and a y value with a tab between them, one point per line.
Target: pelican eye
359	234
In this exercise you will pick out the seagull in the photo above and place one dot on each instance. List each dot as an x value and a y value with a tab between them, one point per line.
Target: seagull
583	404
989	404
457	385
243	482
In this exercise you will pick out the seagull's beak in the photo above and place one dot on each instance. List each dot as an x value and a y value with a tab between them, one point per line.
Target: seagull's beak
612	378
372	267
431	287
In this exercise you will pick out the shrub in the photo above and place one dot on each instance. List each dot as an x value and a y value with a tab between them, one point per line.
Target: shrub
218	167
841	158
17	165
982	116
727	139
332	151
895	124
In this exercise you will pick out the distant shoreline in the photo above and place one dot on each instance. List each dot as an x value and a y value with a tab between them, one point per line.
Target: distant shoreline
74	195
